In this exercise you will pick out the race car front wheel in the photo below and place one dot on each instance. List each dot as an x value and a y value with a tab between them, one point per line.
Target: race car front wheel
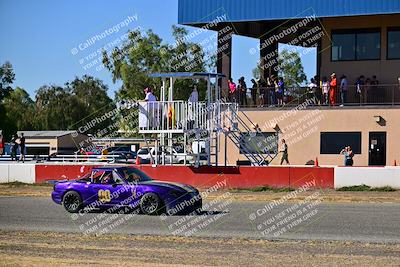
72	201
150	204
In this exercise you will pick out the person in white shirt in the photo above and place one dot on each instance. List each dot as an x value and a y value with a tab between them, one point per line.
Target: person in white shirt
343	89
148	116
325	90
149	95
312	88
194	96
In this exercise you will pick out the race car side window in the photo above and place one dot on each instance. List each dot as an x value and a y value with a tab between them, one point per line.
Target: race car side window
130	177
106	178
102	177
117	179
96	176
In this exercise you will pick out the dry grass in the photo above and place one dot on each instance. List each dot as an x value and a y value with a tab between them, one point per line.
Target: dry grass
67	249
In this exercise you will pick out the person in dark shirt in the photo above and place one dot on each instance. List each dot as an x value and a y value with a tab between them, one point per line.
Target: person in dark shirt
22	147
254	92
284	151
14	147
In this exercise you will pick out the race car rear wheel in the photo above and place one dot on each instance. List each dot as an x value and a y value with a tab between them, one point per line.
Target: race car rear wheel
150	204
72	201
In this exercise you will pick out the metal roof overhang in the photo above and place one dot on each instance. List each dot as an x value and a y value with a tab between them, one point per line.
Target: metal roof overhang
200	12
185	75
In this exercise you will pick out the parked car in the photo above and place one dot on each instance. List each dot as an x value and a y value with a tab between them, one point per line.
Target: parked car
120	153
148	154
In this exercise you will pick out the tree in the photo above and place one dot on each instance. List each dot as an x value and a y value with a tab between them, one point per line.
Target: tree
73	106
143	54
91	99
7	77
291	69
54	108
18	111
256	72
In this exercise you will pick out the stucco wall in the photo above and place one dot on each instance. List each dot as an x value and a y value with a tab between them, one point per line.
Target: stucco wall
386	71
310	123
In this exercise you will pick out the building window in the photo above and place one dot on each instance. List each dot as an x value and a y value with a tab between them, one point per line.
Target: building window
334	142
356	45
262	143
393	43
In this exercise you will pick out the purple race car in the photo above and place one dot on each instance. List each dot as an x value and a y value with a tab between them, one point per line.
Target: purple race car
110	187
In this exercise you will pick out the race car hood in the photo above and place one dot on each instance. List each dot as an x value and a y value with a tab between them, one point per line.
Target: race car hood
176	186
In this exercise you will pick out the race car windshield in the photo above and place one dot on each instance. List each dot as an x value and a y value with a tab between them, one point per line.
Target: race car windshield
85	178
134	175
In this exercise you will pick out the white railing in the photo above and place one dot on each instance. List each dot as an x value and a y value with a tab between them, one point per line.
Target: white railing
67	158
180	116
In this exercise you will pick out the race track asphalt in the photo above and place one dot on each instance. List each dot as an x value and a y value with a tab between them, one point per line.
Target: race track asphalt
364	222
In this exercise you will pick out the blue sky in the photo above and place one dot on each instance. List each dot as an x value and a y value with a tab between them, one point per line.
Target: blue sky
38	36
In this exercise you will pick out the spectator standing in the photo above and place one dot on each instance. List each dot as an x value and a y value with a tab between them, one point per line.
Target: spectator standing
343	89
263	92
194	96
14	147
325	90
312	88
348	154
280	91
149	95
332	90
254	90
272	90
284	151
242	90
360	88
22	147
152	107
318	92
232	90
1	144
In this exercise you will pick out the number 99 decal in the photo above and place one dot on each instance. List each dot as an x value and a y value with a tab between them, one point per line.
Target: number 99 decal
104	195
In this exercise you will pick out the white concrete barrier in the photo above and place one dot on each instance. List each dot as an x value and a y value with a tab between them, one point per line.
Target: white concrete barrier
17	172
4	173
371	176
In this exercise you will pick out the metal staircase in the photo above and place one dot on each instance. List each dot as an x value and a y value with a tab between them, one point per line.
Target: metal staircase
241	129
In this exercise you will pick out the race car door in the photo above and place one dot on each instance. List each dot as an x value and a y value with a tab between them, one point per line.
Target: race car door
107	190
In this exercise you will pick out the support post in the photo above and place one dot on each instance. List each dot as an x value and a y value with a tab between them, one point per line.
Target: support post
224	57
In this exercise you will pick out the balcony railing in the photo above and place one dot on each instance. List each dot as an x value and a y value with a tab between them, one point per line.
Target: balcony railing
181	116
385	94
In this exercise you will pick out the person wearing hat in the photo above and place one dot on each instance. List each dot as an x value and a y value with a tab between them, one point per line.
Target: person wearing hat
332	90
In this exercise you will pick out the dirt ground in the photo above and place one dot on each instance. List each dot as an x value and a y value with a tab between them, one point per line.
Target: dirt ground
328	195
67	249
